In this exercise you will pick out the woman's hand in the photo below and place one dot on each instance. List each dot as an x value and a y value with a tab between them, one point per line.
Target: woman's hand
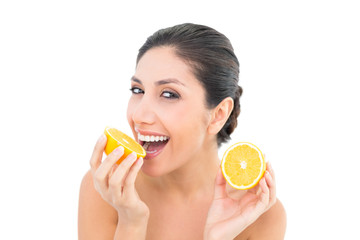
116	183
228	217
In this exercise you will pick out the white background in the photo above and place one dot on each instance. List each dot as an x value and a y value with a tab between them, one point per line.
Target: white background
65	68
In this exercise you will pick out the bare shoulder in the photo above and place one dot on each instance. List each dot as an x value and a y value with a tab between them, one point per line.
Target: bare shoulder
96	218
271	225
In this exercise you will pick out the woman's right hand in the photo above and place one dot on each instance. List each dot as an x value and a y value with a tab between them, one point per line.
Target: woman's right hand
116	183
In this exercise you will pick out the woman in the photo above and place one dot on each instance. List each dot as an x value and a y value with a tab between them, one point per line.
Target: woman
185	94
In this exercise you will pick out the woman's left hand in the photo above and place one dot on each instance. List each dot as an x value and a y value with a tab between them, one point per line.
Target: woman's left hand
228	217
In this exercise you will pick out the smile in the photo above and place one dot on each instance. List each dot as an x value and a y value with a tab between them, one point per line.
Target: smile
153	144
152	138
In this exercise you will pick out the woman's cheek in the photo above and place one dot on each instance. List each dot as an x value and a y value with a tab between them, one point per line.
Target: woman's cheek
130	110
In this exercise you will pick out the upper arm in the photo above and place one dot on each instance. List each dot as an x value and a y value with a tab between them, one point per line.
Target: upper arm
96	218
271	225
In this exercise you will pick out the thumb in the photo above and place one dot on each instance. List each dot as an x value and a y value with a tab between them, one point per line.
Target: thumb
220	186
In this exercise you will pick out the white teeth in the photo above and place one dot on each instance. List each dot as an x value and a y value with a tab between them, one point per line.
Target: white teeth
151	138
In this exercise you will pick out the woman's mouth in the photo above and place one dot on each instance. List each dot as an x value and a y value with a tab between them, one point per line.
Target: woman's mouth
153	144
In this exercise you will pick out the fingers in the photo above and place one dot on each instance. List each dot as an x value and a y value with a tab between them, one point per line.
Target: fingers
107	174
119	176
270	180
220	186
116	182
109	162
270	170
102	174
268	188
129	183
96	157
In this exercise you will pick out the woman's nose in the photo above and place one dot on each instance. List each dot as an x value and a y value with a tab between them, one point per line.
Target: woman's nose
143	112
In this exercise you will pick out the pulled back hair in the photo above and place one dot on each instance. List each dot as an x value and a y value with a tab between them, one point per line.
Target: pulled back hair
212	60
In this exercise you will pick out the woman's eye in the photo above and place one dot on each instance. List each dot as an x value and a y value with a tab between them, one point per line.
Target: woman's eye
136	90
170	95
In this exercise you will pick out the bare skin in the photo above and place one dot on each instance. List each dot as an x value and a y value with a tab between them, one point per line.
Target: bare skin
175	219
180	193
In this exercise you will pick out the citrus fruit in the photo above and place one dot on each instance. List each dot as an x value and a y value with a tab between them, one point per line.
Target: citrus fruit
243	165
116	138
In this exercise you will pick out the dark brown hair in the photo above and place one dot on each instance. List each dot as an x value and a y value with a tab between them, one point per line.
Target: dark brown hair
212	59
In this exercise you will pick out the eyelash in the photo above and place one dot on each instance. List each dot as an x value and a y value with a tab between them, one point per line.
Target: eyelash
136	90
171	95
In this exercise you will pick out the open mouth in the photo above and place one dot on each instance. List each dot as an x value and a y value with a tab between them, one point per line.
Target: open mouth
153	145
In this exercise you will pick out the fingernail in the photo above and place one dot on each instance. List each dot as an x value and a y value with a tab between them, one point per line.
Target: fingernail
101	138
140	161
119	149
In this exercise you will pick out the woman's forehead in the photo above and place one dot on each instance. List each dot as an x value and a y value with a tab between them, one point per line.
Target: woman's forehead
162	65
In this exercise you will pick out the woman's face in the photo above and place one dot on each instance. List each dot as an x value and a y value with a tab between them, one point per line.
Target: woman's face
167	111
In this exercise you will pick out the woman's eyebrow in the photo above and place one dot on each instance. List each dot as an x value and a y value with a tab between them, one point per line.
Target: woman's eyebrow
134	79
169	80
160	82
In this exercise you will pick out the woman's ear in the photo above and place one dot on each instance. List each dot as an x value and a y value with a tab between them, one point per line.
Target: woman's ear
220	115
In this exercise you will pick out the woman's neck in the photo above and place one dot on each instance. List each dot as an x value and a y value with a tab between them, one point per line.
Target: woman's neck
193	179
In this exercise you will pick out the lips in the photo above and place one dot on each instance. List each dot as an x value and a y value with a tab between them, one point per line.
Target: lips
153	143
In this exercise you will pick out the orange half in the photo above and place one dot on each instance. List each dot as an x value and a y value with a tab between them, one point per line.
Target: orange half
116	138
243	165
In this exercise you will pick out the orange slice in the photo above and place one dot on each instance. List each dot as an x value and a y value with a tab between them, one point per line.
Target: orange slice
243	165
116	138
